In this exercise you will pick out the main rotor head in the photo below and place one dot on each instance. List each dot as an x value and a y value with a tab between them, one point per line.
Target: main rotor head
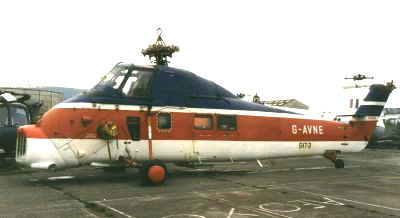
159	51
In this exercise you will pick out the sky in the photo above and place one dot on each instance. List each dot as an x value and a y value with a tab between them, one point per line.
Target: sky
277	49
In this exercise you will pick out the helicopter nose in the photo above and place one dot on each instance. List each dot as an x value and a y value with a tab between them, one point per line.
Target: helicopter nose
34	149
23	133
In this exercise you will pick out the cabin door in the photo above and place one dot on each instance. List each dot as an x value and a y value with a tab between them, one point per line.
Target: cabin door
203	137
229	146
137	148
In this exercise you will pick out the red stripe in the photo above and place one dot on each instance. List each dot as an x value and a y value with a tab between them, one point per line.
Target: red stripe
74	123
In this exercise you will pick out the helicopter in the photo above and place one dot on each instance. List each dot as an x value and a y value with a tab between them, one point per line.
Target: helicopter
148	116
14	112
359	77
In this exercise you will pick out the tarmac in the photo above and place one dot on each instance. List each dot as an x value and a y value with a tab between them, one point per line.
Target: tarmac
368	186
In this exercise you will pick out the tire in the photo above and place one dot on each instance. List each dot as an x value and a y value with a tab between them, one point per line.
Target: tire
151	171
339	164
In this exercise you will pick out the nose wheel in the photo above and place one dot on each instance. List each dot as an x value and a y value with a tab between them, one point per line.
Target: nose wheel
332	155
153	172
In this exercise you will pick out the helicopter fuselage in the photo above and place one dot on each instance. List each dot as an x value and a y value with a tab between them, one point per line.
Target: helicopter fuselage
170	115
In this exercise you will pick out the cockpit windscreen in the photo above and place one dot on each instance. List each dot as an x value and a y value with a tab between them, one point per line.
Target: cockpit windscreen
125	81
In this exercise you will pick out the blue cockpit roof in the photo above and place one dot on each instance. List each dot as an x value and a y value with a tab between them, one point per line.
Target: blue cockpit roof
165	86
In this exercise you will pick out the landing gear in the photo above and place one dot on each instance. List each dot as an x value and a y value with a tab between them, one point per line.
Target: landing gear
332	155
114	169
339	163
153	172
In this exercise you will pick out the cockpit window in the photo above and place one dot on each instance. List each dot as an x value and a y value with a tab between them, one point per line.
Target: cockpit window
125	81
141	87
3	116
114	77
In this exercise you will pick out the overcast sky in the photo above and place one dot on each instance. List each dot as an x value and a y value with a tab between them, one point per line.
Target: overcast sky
278	49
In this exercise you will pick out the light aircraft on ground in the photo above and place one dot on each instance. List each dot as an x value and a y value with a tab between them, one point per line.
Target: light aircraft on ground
147	116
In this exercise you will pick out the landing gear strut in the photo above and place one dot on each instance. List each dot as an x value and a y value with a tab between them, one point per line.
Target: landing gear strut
332	155
153	172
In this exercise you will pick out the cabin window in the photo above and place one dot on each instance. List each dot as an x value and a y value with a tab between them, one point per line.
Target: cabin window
203	122
226	122
164	121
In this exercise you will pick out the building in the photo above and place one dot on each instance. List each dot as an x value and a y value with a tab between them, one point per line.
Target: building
45	98
290	103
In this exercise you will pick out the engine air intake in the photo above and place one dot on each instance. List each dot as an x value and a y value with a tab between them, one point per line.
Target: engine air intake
21	145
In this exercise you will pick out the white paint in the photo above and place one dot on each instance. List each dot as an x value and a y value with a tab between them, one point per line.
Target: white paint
61	178
379	103
308	129
149	131
95	150
259	163
306	203
265	206
300	169
41	153
41	165
246	214
115	210
232	212
97	164
339	198
184	214
329	201
44	151
271	212
97	106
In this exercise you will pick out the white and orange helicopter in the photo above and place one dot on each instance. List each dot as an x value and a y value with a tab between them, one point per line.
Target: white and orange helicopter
147	116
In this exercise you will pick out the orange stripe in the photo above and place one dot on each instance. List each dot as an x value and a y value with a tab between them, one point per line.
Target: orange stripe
72	123
32	131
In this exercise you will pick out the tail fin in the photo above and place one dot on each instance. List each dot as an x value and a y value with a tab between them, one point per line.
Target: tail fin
375	101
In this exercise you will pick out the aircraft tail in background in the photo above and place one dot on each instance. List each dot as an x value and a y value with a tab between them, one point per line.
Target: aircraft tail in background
375	101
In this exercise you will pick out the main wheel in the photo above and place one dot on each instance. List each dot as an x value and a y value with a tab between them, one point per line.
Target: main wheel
153	173
339	164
